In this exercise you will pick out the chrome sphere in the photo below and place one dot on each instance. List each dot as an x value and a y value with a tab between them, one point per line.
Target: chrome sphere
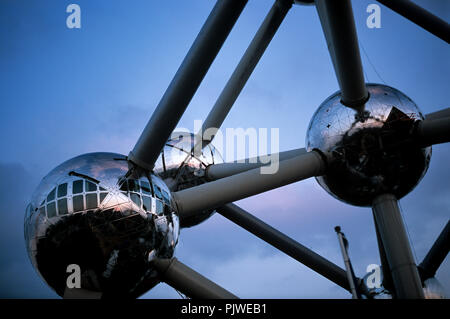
85	213
370	152
180	168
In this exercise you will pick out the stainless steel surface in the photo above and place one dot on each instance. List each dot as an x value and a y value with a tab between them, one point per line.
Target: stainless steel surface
369	153
404	272
83	212
185	82
249	183
181	168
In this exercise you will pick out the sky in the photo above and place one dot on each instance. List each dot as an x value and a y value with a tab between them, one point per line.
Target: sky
66	92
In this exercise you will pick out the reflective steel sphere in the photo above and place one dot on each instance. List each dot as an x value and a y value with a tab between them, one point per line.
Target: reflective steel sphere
180	167
371	152
85	212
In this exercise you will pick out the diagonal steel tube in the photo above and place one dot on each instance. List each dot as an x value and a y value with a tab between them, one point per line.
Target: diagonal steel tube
185	82
404	272
188	281
243	70
229	189
436	255
338	26
284	243
217	171
420	16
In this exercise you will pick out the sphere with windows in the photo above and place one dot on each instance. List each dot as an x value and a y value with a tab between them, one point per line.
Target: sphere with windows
85	212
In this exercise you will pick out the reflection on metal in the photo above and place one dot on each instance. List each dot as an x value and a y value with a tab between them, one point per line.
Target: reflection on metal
370	153
433	289
108	229
181	168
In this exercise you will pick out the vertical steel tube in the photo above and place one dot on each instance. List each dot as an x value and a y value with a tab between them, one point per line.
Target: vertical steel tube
338	26
245	68
387	278
404	271
186	81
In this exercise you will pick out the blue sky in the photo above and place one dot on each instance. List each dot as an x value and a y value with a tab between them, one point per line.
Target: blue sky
66	92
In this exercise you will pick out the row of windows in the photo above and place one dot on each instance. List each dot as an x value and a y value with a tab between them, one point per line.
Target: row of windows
131	185
77	188
79	203
87	196
92	200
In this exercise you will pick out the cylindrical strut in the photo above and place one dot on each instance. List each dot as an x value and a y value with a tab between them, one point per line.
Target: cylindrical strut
284	243
244	69
338	26
185	82
188	281
392	231
193	200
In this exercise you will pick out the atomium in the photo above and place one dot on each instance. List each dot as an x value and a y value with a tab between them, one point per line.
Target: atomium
118	218
370	152
85	212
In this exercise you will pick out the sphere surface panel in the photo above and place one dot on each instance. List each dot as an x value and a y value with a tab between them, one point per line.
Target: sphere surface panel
85	212
371	152
180	168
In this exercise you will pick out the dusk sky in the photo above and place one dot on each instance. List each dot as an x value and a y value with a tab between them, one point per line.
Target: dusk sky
66	92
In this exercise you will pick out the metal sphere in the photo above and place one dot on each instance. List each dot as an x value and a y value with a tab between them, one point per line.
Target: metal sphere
180	168
85	213
369	153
